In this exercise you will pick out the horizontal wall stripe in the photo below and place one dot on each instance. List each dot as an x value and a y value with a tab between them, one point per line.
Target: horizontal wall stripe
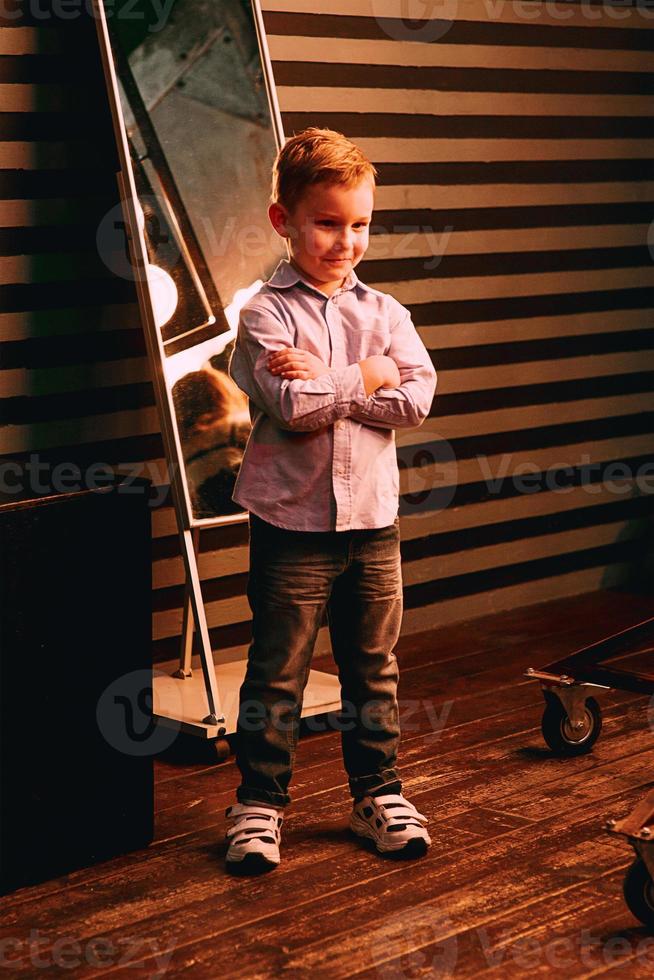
436	108
40	435
635	35
54	183
44	125
528	510
53	155
433	151
36	268
555	348
429	83
545	218
540	372
51	68
29	409
438	237
587	466
528	416
529	570
31	40
59	238
539	393
26	214
72	378
630	282
401	198
291	49
393	15
536	328
15	16
417	154
498	308
432	242
34	324
50	295
520	120
46	97
495	263
564	435
144	450
48	352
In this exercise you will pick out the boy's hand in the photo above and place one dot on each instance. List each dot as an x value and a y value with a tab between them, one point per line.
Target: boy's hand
379	371
291	362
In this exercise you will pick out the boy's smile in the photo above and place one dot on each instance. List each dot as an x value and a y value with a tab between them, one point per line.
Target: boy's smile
327	231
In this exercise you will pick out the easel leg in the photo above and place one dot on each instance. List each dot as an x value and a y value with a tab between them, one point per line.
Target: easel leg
206	656
185	669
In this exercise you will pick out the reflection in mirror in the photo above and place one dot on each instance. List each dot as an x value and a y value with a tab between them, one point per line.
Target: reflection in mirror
202	143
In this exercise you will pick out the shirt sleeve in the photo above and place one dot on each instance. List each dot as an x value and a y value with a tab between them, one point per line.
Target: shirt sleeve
408	405
294	404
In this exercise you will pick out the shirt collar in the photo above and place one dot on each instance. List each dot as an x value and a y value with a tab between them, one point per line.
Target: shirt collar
286	275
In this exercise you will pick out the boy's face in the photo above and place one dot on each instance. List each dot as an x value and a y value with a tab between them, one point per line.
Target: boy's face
327	230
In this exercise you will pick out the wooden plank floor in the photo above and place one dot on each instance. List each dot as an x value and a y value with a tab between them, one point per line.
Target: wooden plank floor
520	880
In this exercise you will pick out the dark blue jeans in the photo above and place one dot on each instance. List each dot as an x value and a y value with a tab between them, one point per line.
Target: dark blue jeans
294	576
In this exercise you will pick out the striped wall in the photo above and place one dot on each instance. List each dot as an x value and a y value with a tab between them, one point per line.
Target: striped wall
514	145
513	219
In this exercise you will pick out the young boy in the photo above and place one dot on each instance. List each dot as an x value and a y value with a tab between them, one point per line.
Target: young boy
331	367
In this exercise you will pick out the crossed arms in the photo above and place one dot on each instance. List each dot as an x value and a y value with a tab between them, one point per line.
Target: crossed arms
357	391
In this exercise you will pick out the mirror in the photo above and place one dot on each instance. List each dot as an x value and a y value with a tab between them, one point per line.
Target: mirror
203	130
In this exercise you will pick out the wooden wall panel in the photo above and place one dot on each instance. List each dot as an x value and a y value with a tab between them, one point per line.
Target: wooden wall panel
513	218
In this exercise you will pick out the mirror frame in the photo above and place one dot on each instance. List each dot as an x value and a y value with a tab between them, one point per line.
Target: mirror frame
139	261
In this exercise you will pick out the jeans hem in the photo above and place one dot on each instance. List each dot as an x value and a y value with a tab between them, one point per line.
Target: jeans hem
388	781
244	795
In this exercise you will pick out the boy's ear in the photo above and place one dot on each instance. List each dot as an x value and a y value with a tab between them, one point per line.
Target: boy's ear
278	217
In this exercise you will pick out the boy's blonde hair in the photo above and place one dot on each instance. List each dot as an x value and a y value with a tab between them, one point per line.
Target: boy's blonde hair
317	155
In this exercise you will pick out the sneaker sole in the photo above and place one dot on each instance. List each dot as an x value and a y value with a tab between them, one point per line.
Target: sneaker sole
251	864
416	847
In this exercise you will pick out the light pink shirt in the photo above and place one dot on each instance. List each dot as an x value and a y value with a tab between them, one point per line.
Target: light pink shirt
321	454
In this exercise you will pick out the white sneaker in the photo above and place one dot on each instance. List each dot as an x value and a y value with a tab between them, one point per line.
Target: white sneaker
254	837
392	823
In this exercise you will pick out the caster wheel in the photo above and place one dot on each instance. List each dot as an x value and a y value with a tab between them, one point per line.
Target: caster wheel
638	890
223	749
559	734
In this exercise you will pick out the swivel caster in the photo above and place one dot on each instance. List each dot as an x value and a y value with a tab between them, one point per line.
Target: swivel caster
638	891
566	737
223	748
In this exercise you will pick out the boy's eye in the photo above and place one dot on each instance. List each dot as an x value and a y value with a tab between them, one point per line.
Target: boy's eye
329	223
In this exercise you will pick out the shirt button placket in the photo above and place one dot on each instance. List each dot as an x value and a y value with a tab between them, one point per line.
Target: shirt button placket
340	461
